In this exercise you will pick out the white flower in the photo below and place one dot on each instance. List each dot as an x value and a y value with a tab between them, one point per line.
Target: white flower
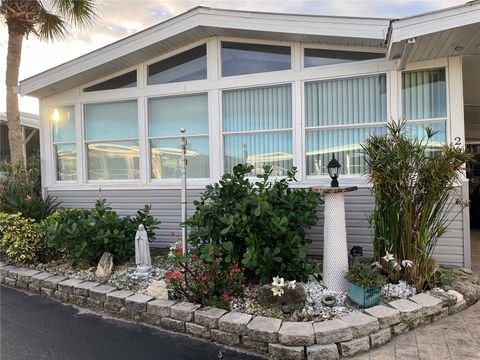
292	284
388	257
377	265
407	263
277	291
278	281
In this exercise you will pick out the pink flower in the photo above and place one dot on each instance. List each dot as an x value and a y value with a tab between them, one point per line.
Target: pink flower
377	265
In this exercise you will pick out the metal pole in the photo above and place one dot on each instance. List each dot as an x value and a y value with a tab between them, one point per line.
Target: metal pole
184	191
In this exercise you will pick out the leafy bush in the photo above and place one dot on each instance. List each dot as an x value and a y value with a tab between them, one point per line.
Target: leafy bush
22	239
415	197
83	235
265	222
365	276
207	277
21	190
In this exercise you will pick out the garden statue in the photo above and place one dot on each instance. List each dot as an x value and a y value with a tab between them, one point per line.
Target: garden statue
142	253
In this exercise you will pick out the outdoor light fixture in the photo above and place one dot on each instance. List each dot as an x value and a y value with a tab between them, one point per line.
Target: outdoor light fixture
333	168
55	115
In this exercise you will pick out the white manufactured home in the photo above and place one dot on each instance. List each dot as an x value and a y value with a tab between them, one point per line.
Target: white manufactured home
263	88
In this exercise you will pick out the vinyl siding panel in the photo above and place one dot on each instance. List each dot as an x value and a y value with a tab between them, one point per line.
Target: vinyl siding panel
166	207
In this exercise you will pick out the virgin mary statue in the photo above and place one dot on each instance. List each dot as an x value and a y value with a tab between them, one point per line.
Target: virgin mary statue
142	252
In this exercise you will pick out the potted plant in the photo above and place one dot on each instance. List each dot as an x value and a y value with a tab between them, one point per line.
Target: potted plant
364	285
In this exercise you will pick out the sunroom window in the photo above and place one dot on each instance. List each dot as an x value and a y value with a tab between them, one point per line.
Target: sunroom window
257	128
424	102
339	116
321	57
111	138
166	115
123	81
64	146
186	66
243	58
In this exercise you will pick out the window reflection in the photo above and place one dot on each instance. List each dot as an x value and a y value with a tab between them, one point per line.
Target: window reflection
66	156
322	57
113	160
127	80
166	158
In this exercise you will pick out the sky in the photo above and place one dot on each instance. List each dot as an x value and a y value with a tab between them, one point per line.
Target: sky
121	18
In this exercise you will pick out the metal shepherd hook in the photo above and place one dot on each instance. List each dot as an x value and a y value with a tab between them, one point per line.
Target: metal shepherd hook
184	191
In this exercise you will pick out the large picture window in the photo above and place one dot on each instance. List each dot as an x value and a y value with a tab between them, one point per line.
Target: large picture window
64	146
424	104
257	128
111	137
166	115
339	116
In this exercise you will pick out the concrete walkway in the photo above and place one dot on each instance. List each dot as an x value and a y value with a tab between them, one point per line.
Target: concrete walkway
456	337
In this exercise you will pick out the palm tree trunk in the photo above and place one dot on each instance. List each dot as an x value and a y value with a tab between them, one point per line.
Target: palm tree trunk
15	138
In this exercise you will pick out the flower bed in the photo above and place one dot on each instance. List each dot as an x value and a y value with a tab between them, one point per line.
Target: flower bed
346	335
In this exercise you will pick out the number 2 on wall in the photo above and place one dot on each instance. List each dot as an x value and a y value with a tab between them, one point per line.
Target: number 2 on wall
458	141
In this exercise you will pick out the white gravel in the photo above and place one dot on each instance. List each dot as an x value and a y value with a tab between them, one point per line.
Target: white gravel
401	290
315	292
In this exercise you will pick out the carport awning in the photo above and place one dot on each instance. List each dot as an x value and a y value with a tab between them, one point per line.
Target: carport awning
451	32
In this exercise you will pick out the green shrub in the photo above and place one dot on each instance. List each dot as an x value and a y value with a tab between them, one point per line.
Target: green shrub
414	183
83	235
365	276
22	190
22	239
265	222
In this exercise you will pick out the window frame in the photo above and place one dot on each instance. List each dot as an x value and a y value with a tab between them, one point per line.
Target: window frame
148	154
291	130
109	77
348	178
54	143
86	179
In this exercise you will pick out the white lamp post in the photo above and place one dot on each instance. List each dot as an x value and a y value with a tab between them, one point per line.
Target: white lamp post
184	191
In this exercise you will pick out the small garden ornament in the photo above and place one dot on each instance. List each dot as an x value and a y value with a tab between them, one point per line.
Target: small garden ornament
142	253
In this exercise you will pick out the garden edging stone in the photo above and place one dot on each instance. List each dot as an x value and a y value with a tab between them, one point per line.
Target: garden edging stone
331	339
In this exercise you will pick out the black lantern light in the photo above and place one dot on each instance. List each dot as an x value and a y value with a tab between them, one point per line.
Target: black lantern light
333	169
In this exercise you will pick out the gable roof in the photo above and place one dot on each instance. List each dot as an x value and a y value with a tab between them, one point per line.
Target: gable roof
199	23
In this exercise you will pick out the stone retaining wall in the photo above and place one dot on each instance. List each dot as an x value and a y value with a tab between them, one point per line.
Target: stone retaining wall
352	333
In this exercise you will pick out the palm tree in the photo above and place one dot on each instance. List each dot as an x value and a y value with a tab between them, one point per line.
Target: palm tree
48	20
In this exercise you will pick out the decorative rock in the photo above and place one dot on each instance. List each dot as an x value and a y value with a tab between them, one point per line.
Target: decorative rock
183	311
294	298
225	337
137	303
259	346
53	281
264	329
322	352
332	331
443	313
99	293
158	289
12	271
160	308
380	337
116	300
467	285
104	267
386	315
467	271
361	324
172	324
462	305
456	294
283	352
296	333
355	346
10	281
4	270
197	330
36	281
68	285
430	304
409	310
25	275
235	323
209	316
83	289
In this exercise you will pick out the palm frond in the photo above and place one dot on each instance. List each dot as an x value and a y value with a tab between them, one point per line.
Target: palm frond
78	13
50	26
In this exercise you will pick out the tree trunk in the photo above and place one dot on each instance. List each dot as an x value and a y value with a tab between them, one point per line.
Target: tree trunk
15	138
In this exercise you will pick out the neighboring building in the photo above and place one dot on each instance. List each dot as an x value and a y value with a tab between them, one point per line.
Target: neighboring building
254	87
31	137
